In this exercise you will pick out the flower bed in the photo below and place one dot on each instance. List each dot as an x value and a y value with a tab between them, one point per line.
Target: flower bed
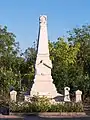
44	105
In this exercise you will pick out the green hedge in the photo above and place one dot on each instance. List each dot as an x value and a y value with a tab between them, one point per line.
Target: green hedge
43	105
4	101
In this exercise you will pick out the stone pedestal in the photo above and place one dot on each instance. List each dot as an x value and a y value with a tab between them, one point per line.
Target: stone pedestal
43	82
78	96
13	94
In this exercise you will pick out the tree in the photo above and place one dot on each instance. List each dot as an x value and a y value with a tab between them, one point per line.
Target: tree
9	51
27	68
64	56
82	36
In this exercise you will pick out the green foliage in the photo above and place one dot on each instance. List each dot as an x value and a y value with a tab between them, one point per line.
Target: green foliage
66	107
43	105
4	101
9	60
27	68
82	66
37	105
15	70
40	104
64	58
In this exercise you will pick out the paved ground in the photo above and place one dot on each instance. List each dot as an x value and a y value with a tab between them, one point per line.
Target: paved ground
3	117
60	118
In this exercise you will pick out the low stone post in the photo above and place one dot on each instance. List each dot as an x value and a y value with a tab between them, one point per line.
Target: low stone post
78	94
66	94
13	94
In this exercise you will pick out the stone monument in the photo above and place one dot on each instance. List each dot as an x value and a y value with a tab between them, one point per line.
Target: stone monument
66	94
43	82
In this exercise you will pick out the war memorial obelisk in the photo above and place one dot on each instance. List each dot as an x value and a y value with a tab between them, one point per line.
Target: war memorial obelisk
43	82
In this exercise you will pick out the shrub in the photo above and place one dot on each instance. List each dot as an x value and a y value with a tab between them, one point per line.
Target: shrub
55	108
40	104
43	105
4	101
20	107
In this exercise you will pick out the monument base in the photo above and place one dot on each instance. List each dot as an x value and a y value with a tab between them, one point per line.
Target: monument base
44	87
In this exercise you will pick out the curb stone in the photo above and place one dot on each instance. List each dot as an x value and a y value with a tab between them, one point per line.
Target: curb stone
52	114
10	116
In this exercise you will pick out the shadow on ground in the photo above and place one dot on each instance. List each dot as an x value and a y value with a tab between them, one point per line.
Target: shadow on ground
59	118
31	117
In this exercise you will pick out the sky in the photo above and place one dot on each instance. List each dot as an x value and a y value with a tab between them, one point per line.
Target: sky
22	17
